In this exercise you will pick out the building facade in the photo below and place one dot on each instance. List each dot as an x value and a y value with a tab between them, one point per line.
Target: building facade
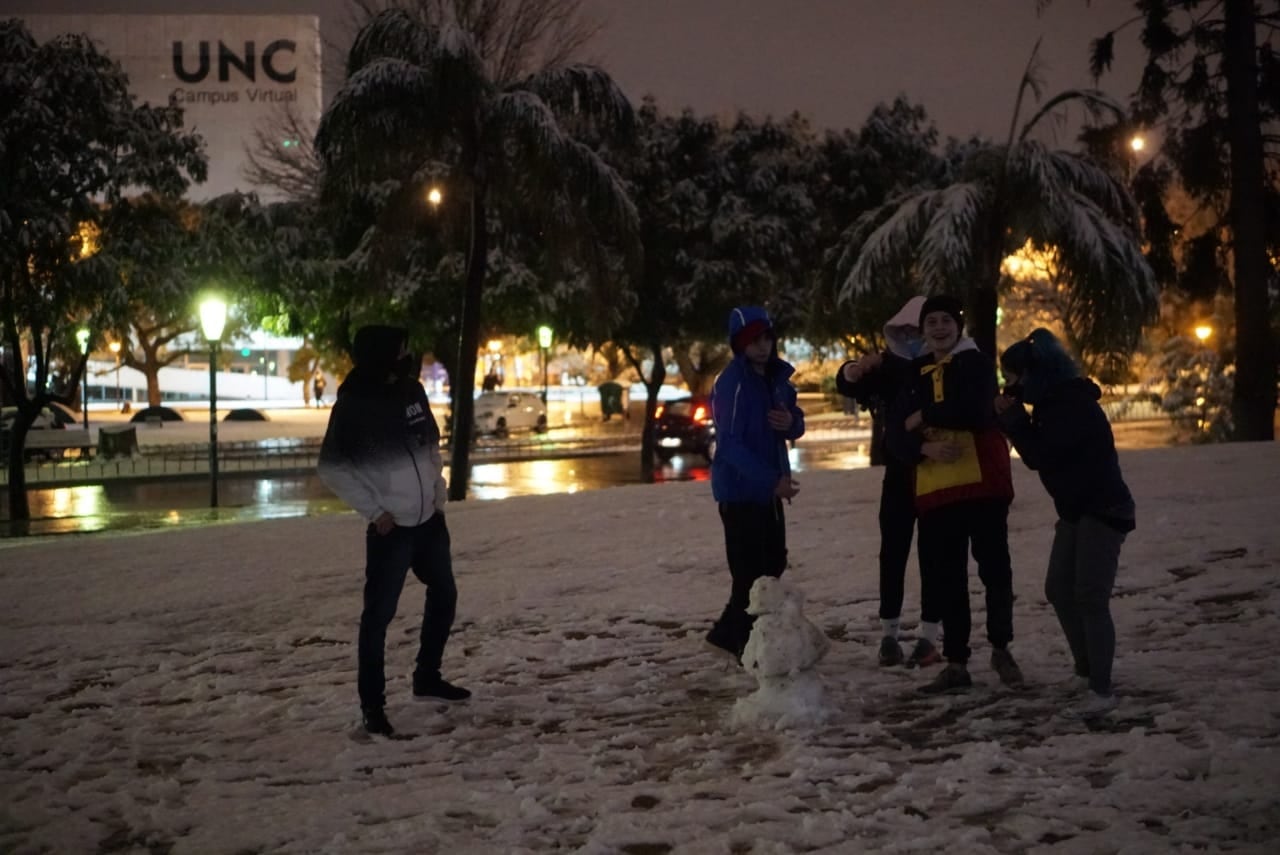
233	75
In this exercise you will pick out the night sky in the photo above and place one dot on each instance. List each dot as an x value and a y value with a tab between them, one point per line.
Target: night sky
830	59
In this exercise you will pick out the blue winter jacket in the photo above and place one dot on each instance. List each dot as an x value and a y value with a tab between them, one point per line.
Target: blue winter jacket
751	456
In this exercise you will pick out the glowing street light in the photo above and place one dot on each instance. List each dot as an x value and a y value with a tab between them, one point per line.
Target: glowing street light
82	336
1203	331
213	318
1138	142
544	342
435	197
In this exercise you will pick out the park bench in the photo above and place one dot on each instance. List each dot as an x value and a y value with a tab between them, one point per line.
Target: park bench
55	443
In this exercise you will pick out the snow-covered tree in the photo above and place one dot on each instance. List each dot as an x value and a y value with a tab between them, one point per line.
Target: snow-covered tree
725	219
1211	85
72	143
420	104
1000	196
166	251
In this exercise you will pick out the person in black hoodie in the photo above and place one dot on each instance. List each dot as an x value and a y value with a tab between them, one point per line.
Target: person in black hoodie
381	455
1068	440
875	381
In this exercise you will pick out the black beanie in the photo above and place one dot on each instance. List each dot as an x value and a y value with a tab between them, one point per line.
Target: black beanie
943	303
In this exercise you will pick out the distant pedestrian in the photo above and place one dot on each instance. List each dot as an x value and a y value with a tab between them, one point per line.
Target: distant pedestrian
963	488
317	387
753	405
381	455
875	381
1068	440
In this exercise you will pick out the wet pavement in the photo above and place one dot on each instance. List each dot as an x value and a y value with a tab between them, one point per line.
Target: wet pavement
136	504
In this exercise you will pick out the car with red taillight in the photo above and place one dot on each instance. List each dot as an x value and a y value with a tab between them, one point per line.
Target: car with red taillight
684	426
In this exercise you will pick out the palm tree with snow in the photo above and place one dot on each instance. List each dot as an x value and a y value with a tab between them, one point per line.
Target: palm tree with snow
1002	196
419	104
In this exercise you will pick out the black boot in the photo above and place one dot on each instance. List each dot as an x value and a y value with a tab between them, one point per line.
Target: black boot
375	721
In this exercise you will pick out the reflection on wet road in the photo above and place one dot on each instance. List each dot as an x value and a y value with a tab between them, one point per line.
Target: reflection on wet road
139	505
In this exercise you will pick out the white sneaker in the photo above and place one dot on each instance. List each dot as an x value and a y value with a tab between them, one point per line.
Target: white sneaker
1094	706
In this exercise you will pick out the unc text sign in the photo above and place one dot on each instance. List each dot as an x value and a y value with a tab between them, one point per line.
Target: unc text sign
231	74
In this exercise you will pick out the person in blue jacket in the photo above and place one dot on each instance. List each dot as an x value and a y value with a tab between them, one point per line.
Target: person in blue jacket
754	409
1068	440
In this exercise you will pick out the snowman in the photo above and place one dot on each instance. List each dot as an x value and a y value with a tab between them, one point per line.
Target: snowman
781	654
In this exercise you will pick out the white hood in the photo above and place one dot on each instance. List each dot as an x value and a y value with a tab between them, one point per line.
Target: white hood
903	327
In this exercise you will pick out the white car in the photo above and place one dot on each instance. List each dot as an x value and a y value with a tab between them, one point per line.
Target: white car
500	413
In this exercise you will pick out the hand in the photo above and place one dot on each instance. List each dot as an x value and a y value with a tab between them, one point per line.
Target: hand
786	488
870	362
852	371
1004	402
942	452
384	523
914	421
780	419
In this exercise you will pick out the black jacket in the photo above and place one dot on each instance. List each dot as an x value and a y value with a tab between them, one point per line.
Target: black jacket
877	390
969	385
1068	440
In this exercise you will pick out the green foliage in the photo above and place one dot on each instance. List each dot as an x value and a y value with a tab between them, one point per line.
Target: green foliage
72	143
1198	383
1214	93
421	106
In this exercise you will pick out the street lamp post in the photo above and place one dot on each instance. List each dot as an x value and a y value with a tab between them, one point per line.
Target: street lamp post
82	336
544	342
115	349
213	317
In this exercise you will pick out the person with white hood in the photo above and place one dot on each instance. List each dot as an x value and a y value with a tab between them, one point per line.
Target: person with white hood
875	381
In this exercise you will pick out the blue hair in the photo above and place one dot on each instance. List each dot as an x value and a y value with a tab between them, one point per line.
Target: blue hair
1041	362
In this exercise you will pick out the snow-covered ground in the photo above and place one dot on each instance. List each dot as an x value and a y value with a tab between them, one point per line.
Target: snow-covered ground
193	691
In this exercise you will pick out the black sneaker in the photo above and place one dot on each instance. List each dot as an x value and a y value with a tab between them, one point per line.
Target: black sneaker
1004	666
438	690
722	646
375	721
955	676
890	652
924	654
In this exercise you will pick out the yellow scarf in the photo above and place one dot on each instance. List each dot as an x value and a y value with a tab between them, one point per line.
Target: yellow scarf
935	369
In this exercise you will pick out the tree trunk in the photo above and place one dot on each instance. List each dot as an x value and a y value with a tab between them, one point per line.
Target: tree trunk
19	508
649	442
463	384
1253	399
152	372
983	302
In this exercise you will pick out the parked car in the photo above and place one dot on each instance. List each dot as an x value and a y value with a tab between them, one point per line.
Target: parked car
55	417
500	413
684	426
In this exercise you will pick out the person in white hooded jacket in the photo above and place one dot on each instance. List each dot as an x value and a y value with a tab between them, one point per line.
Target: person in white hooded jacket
875	381
381	455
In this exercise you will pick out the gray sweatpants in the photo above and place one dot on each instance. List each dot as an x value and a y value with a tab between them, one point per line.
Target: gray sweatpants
1082	572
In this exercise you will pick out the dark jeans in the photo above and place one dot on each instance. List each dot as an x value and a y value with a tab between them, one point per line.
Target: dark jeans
755	541
1082	572
946	536
388	558
897	526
